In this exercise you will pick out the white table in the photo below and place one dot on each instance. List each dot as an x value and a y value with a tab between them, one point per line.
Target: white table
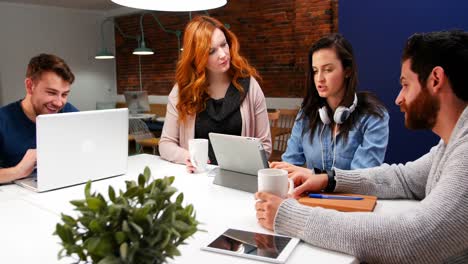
26	233
28	219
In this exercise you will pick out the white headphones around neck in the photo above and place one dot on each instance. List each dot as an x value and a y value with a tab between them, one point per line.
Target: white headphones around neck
341	113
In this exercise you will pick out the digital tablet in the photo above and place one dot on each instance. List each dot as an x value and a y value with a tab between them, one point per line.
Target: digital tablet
240	154
239	159
253	245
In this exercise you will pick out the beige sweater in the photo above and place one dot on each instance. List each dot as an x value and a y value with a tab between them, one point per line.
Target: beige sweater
173	145
435	231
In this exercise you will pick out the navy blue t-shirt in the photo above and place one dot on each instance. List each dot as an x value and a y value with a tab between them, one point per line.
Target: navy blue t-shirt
18	133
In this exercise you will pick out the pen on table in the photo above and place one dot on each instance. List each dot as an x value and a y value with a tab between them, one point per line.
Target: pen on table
337	197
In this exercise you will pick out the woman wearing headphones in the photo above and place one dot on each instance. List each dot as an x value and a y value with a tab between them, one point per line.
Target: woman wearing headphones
336	127
216	91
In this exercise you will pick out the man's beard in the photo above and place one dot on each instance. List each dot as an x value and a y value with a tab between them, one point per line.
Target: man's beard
422	112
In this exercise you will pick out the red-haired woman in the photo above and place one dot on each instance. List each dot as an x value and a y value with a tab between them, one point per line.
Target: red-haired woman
216	91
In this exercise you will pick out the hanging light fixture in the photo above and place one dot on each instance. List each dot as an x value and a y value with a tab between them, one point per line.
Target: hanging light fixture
142	49
104	54
172	5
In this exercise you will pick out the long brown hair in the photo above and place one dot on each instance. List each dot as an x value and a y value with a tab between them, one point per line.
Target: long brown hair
367	102
191	68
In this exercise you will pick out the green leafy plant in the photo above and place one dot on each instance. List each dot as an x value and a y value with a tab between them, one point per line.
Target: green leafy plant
139	225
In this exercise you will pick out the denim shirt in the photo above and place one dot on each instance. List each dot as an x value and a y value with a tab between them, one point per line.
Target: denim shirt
365	146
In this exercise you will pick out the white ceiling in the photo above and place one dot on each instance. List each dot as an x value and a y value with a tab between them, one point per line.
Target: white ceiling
98	5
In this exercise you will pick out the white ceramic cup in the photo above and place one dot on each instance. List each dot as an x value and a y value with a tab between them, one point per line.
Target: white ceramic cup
275	181
198	150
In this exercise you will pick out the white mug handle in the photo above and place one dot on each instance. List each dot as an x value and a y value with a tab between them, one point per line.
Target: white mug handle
291	186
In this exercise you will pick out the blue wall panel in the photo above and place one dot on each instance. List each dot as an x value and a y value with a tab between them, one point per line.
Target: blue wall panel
378	31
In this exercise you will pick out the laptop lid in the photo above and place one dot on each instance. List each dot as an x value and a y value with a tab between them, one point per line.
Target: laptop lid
73	148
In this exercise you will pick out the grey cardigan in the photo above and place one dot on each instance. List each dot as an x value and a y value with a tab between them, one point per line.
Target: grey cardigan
435	231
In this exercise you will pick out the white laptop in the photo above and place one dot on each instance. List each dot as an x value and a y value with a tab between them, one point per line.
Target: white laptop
73	148
239	159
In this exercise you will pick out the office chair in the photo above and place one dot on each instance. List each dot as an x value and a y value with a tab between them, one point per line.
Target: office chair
142	136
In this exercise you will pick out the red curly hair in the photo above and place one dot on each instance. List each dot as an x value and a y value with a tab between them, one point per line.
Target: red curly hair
191	67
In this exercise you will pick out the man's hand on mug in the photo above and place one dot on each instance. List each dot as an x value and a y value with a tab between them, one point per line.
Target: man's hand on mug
293	170
308	183
266	207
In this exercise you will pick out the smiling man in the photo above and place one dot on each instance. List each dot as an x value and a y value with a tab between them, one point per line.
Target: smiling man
434	95
47	83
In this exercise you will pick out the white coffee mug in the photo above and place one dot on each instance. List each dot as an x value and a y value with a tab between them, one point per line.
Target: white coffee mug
275	181
198	150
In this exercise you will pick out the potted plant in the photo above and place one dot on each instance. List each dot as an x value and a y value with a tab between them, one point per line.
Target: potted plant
138	225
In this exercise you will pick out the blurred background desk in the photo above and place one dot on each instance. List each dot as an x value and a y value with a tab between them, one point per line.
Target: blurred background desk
143	116
144	134
151	127
29	218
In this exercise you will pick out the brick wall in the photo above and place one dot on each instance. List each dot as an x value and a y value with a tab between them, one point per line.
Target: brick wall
274	35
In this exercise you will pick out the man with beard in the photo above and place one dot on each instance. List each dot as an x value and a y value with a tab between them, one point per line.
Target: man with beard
434	96
48	81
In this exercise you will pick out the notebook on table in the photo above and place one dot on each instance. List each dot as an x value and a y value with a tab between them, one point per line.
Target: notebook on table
73	148
367	204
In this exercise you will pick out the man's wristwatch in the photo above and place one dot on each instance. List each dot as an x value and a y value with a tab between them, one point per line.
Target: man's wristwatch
331	181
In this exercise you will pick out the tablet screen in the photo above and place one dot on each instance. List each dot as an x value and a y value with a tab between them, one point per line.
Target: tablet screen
250	243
